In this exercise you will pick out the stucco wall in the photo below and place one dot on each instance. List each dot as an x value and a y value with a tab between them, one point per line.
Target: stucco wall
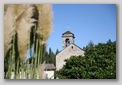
49	74
66	53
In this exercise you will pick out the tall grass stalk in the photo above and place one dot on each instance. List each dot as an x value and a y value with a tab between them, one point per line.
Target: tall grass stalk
9	67
17	40
36	58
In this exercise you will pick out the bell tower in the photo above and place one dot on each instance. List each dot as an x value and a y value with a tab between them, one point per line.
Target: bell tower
67	39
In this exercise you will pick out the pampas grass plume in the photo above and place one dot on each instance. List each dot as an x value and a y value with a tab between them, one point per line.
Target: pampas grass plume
9	29
45	22
24	24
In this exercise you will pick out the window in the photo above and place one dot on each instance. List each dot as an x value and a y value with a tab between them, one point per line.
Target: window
67	42
46	76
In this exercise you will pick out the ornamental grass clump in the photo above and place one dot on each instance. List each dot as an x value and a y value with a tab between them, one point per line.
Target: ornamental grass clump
26	26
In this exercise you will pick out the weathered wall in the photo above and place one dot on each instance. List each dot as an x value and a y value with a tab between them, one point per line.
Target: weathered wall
49	74
66	53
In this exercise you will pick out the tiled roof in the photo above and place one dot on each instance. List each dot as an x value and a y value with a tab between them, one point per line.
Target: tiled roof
49	66
68	32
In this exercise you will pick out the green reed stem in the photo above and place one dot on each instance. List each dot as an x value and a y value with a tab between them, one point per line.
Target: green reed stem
13	55
32	61
9	66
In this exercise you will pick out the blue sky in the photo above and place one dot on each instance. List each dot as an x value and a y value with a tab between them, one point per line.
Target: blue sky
88	22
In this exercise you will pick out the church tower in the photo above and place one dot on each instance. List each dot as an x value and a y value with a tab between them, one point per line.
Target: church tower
69	49
67	39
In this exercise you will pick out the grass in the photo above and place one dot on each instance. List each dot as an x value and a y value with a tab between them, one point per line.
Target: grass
31	25
21	71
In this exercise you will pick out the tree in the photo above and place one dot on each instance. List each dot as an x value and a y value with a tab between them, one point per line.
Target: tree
50	57
99	62
57	51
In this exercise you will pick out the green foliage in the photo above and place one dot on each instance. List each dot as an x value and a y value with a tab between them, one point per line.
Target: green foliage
99	62
57	51
50	57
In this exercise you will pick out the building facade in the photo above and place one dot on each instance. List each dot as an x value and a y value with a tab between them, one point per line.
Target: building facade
69	49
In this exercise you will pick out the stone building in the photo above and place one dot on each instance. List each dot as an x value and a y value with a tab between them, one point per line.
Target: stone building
69	49
49	71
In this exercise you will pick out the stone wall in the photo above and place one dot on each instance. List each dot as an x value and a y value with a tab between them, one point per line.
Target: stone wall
67	53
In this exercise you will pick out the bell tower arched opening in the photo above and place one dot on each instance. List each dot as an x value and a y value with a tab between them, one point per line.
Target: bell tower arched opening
67	39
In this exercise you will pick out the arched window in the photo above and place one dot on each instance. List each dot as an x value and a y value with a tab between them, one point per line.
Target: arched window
67	42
